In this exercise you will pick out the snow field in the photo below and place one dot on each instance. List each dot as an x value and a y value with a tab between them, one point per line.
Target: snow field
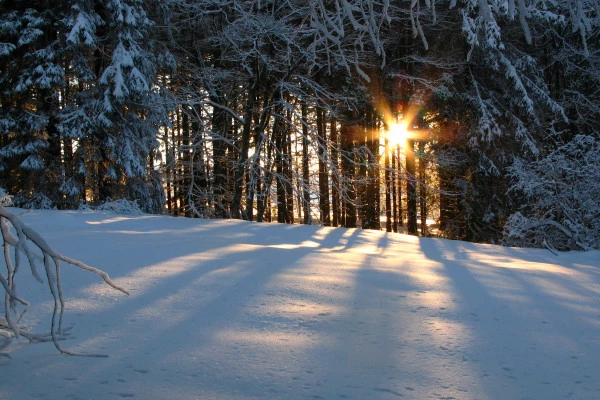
237	310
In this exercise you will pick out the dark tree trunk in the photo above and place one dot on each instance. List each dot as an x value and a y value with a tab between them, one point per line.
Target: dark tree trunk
399	187
168	173
219	184
288	172
186	168
395	199
323	173
388	189
423	188
200	167
240	171
348	211
411	188
281	161
371	198
307	216
335	177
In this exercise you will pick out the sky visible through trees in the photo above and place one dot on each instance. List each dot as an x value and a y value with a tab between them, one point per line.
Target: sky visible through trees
283	110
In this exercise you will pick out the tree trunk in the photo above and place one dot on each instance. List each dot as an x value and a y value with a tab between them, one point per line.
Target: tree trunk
219	122
388	189
186	167
348	211
335	176
199	167
323	173
288	171
307	215
411	188
423	188
395	199
240	171
168	172
279	130
371	198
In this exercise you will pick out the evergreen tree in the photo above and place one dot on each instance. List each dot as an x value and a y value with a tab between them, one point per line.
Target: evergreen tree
117	111
32	78
79	108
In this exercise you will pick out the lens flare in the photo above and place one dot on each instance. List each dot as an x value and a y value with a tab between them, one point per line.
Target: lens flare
397	134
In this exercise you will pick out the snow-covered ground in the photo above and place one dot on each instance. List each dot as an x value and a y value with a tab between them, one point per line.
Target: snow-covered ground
237	310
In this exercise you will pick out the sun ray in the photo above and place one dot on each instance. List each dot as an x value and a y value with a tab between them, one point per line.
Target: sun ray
396	134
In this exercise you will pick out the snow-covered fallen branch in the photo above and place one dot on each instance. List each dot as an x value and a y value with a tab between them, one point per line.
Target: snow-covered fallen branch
23	234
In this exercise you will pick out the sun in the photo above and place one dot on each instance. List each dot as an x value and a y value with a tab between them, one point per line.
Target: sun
397	134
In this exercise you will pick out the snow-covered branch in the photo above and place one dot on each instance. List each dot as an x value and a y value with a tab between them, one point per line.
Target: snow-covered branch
562	194
23	234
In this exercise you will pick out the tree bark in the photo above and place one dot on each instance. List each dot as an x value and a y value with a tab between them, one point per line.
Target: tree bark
306	206
411	188
323	173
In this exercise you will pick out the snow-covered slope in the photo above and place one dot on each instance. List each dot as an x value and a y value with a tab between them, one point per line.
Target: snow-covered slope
237	310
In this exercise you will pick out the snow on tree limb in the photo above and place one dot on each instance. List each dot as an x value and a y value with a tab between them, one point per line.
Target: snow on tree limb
51	260
562	198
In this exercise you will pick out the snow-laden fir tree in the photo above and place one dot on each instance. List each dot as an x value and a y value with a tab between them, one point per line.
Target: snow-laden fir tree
80	109
117	109
32	76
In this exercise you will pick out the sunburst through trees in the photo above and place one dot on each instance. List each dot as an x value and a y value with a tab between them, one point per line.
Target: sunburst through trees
293	111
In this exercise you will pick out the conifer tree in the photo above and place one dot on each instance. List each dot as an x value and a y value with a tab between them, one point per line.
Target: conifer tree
32	77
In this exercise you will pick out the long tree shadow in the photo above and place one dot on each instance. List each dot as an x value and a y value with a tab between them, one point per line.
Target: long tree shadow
531	333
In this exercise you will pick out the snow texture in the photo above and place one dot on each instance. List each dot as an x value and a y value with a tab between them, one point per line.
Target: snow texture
223	309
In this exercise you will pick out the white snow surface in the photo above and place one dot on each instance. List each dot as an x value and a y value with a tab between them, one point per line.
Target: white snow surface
224	309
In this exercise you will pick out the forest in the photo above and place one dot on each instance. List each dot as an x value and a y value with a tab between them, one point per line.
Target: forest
476	120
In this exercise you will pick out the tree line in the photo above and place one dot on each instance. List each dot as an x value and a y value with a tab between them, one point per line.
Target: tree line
281	110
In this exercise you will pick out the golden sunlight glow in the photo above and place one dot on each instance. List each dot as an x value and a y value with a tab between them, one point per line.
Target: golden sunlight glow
397	135
397	124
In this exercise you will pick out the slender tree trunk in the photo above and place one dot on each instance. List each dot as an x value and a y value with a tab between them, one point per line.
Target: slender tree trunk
370	200
68	160
168	172
448	206
264	208
298	180
348	170
175	135
280	179
400	174
200	183
395	200
335	176
388	189
448	203
423	188
259	176
255	175
411	188
288	172
323	173
219	122
305	166
186	167
53	161
236	203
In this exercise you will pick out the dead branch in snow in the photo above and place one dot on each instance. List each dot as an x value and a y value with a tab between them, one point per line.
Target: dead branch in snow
23	234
